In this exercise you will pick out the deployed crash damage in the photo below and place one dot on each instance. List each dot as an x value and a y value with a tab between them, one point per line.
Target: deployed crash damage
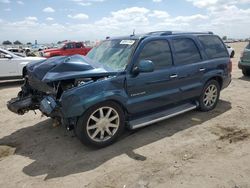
69	89
47	80
129	81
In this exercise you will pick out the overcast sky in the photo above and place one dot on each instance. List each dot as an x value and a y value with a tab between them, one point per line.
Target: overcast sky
54	20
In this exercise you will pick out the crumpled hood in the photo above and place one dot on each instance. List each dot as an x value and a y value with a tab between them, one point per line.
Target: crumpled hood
66	67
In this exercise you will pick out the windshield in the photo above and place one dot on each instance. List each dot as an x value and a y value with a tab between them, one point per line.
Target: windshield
113	53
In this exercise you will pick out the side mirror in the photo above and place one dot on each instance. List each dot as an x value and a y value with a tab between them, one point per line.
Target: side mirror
8	56
144	66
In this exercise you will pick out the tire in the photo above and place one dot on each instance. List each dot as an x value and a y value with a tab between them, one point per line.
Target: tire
210	96
245	72
96	130
232	54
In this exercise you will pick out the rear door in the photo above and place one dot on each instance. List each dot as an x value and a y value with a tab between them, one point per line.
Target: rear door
246	54
151	90
190	66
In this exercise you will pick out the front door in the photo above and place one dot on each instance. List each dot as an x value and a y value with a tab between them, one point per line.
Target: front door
8	66
149	91
69	49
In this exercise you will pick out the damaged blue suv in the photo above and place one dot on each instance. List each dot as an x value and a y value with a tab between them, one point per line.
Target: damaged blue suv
130	81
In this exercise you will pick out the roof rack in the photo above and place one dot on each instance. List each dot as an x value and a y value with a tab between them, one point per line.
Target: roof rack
162	33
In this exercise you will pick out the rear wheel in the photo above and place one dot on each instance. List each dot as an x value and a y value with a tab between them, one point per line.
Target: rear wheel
245	72
101	125
210	95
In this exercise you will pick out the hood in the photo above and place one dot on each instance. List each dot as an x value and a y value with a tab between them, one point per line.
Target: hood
67	67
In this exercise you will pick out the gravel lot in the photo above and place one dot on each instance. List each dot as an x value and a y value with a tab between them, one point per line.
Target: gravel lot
192	150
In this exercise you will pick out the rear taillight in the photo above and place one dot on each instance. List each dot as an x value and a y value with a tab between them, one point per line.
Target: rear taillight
230	66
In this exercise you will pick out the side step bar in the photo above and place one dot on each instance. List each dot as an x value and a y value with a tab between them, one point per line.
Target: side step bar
166	114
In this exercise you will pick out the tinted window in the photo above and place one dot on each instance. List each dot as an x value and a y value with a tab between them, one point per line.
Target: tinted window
186	51
79	45
13	50
69	46
158	52
214	47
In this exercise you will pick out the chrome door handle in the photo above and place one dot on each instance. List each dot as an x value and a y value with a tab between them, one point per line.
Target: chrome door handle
174	76
202	69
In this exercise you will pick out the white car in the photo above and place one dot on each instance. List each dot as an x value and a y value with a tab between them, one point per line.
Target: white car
230	51
12	64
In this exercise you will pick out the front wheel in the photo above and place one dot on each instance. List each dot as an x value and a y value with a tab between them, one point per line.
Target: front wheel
232	54
101	125
210	95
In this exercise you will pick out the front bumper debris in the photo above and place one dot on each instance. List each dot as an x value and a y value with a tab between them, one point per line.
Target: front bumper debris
20	106
47	105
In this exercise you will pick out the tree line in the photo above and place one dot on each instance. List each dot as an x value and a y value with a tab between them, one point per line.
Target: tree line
17	42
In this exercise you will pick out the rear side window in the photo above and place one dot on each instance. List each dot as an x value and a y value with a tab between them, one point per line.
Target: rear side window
213	46
186	51
158	52
79	45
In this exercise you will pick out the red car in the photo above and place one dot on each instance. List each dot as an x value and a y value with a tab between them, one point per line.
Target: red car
69	48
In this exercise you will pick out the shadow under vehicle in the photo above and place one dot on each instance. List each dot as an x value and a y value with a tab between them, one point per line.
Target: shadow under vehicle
130	81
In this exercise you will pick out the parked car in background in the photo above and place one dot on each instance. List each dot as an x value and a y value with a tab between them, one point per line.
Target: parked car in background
230	51
244	63
12	65
69	48
17	51
129	81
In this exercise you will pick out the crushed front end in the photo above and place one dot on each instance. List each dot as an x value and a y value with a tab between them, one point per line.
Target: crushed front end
37	95
47	80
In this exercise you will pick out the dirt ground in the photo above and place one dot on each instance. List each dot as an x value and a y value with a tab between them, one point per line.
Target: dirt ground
192	150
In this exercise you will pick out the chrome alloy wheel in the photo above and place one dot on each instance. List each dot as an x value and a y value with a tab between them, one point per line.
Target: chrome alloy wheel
210	95
102	124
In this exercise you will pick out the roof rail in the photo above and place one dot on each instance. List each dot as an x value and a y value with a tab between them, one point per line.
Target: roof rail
162	33
180	32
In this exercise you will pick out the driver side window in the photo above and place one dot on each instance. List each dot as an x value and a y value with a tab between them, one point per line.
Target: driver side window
158	51
69	46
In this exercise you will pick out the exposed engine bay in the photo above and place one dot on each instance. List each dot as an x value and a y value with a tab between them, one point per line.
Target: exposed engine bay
47	80
33	94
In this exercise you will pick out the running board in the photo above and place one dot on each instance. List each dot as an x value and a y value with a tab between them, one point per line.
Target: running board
166	114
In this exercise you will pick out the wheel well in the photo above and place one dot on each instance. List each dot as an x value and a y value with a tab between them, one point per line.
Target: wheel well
121	105
24	71
114	101
218	79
